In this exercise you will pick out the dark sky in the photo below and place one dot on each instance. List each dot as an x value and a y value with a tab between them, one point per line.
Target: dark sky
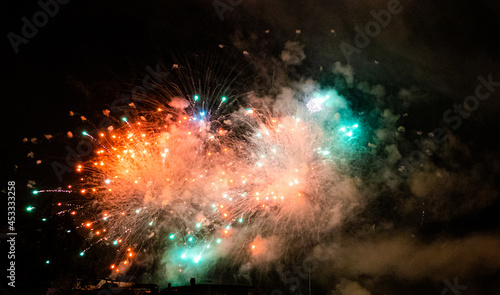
427	58
443	47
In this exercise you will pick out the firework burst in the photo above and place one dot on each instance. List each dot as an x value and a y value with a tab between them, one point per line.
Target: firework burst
199	175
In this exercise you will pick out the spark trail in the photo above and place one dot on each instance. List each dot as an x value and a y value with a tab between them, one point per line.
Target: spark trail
203	181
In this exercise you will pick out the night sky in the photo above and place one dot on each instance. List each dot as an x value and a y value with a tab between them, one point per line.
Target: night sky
417	223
